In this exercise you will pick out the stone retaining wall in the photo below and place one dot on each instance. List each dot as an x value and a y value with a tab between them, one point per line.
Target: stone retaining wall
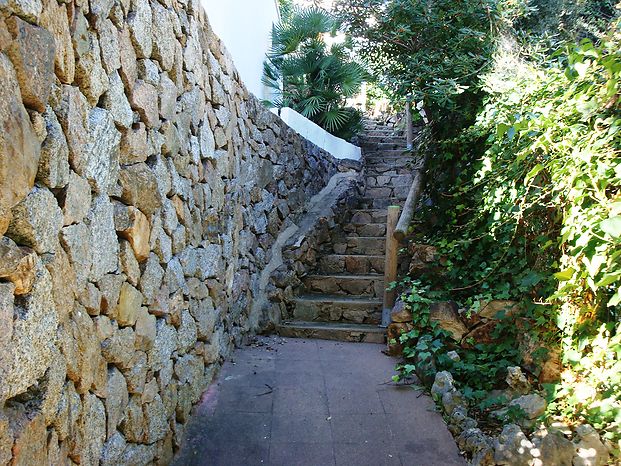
141	192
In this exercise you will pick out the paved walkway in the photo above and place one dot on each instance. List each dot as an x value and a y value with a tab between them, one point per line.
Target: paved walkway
312	402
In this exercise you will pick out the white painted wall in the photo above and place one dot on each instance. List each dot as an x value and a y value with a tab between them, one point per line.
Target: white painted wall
245	26
338	147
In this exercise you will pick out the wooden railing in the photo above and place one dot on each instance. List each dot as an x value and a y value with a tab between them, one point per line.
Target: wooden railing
397	225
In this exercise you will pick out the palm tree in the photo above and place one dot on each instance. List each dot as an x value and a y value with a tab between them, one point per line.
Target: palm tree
310	76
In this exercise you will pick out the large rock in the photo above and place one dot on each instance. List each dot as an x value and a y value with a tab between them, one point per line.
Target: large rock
34	335
19	148
442	384
401	313
144	100
32	54
54	161
517	381
513	448
89	73
75	240
104	242
140	188
151	279
28	9
140	25
115	101
554	447
133	225
164	43
497	308
116	401
134	145
102	151
590	451
128	308
446	315
36	221
54	19
17	265
72	113
91	425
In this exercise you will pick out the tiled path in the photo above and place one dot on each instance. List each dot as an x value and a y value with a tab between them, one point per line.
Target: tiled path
312	402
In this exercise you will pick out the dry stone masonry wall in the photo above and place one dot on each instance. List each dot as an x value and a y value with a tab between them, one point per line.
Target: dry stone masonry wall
142	190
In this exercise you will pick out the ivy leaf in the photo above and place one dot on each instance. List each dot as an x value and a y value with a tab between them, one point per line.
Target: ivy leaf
612	226
609	278
565	275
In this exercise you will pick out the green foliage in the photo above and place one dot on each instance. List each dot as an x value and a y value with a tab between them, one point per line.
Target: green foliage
312	77
432	50
534	214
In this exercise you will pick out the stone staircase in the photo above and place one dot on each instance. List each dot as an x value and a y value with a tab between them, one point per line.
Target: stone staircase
342	299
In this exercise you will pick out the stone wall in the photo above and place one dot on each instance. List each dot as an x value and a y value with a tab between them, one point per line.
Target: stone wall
142	191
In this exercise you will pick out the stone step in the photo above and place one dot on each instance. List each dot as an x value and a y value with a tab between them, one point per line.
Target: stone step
387	153
387	170
369	229
392	181
365	216
381	203
364	245
372	146
398	192
382	141
333	331
335	308
356	285
396	163
329	264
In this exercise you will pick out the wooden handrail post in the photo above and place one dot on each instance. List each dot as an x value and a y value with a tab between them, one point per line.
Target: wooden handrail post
409	128
390	266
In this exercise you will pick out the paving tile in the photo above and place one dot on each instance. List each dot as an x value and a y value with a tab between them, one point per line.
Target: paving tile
360	429
245	399
227	455
430	452
303	350
304	428
400	398
300	400
357	399
366	454
301	454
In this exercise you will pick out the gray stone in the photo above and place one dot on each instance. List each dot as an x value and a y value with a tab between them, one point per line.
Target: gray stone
165	344
102	159
36	221
452	400
517	381
103	239
533	405
513	448
134	422
34	335
554	448
72	112
27	9
136	373
129	264
76	201
54	162
168	97
209	261
442	384
113	450
138	454
187	333
108	42
164	43
151	279
116	401
590	451
144	100
75	240
156	423
116	102
145	330
89	72
139	20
